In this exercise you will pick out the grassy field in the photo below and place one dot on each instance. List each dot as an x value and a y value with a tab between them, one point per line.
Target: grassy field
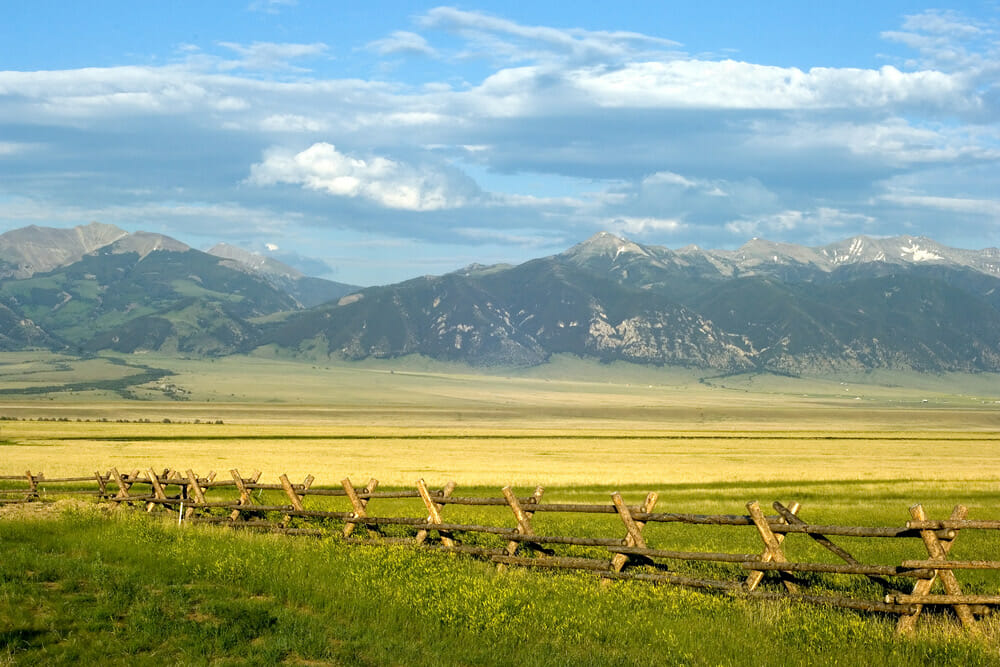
853	449
80	584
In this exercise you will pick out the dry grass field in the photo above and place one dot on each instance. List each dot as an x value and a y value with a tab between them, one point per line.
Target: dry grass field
570	422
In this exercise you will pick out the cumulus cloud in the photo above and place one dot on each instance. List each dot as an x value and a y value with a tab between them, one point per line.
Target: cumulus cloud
386	182
950	41
634	226
565	130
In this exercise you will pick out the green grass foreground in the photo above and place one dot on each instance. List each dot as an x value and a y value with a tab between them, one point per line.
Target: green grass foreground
78	585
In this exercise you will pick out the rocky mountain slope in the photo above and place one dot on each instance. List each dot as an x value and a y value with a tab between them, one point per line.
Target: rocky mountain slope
903	302
890	303
137	291
307	290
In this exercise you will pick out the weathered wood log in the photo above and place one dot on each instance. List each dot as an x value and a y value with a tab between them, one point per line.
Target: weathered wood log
56	480
336	493
772	544
950	600
676	580
708	519
157	490
357	504
64	492
560	562
954	564
299	488
834	568
936	551
855	531
465	500
291	492
464	549
389	494
522	517
950	524
320	514
195	485
102	483
434	513
245	498
792	519
566	539
580	508
908	622
390	520
685	555
633	528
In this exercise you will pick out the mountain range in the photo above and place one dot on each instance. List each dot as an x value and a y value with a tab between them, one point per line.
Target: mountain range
863	303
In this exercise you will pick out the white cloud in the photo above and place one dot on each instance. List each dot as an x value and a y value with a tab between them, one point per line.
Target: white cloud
676	145
11	148
404	42
668	178
221	219
502	39
290	122
271	6
950	41
810	223
728	84
386	182
267	56
638	226
987	207
892	140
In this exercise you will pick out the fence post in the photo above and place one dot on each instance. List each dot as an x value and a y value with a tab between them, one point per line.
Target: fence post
154	481
123	487
937	550
32	485
434	512
634	528
772	542
199	494
294	497
358	505
522	516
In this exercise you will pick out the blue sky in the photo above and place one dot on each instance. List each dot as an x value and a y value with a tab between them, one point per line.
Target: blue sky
374	142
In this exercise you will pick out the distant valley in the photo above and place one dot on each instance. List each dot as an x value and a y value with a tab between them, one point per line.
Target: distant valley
902	303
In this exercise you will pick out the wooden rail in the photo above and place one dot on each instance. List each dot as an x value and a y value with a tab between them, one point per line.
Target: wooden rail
773	571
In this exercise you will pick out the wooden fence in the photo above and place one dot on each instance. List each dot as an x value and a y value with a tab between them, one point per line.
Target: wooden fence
770	571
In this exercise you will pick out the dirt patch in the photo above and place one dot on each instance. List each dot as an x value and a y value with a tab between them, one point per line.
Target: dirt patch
46	510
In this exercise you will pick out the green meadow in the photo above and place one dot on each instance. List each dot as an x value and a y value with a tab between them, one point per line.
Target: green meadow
79	582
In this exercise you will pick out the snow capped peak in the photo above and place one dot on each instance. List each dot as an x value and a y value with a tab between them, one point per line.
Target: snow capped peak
917	254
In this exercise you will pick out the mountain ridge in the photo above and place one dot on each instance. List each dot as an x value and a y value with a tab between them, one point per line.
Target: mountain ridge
862	303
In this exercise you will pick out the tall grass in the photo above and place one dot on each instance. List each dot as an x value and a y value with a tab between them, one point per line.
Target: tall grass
83	585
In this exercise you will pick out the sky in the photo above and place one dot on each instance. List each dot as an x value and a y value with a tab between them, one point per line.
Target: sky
374	142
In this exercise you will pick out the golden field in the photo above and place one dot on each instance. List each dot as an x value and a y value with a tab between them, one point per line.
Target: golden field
570	422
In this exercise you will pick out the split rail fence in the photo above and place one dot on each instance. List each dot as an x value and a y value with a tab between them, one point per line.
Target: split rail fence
769	571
